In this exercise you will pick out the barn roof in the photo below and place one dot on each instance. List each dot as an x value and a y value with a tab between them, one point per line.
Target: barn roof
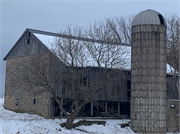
45	36
76	38
48	37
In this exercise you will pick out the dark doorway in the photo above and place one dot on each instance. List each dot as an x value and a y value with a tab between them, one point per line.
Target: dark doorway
85	111
125	108
99	109
56	107
112	109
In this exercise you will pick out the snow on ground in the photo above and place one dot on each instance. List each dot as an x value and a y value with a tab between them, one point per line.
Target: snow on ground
18	123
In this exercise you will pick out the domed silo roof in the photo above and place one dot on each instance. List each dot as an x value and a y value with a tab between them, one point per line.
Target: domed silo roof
149	17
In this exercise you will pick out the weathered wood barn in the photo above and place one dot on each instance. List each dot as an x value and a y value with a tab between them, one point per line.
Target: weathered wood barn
112	101
34	42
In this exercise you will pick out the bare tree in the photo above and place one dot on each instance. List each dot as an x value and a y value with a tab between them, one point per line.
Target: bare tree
121	27
173	37
112	29
60	72
106	55
173	40
173	51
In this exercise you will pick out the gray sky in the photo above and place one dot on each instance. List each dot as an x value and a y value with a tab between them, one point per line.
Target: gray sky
55	15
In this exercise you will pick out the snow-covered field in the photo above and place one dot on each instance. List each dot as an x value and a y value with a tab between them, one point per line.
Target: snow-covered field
17	123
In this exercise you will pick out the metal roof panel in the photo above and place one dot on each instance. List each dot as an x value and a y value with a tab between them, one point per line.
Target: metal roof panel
148	17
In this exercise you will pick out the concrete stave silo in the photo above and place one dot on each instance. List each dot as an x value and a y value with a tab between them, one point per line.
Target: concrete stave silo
148	73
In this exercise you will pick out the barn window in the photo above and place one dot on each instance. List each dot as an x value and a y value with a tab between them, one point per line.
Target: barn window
128	94
28	41
16	102
84	81
128	89
29	34
34	101
128	84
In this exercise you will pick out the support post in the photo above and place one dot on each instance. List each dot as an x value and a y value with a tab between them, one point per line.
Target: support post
91	108
49	107
118	108
106	109
61	110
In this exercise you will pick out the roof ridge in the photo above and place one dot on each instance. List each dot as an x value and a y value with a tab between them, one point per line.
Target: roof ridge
76	37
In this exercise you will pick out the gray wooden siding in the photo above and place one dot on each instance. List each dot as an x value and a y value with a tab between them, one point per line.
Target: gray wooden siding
118	86
55	72
115	88
24	49
172	91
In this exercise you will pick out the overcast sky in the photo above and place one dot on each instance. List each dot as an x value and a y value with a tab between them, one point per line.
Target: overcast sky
55	15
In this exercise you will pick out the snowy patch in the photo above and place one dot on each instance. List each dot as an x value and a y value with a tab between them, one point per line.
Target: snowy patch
17	123
13	123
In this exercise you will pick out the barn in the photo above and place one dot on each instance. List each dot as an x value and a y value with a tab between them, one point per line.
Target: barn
33	42
110	102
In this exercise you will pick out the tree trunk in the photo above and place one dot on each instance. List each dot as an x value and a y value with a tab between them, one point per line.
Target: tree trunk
69	122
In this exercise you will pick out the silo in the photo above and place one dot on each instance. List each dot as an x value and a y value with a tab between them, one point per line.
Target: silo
148	73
